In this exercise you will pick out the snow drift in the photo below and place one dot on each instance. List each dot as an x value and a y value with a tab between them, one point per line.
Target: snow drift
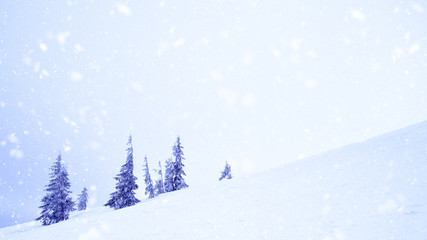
371	190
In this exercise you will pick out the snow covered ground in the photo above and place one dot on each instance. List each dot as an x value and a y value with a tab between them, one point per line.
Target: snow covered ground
371	190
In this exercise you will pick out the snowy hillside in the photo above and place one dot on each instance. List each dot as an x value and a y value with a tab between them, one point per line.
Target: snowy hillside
371	190
258	84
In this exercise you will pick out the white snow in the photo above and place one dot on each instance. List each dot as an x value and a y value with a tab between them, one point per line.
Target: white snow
414	48
16	153
276	53
227	95
123	9
78	48
358	15
76	76
248	58
13	138
371	190
61	37
417	8
179	42
43	47
249	100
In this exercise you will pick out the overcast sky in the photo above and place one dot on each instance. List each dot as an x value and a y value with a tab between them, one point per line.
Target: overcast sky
256	83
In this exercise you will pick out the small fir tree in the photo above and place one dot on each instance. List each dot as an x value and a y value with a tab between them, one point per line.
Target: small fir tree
169	173
159	186
83	198
178	181
148	182
124	196
57	203
226	173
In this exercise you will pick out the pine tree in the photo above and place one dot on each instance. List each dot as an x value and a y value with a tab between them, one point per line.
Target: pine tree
226	173
159	187
57	203
149	189
169	173
83	198
124	196
178	181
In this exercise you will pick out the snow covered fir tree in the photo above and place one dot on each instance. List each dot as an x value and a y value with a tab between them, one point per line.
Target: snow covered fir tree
174	176
178	178
226	174
124	196
148	182
168	183
57	203
82	200
159	186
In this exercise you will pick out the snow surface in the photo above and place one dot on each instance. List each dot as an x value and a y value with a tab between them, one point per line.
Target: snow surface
371	190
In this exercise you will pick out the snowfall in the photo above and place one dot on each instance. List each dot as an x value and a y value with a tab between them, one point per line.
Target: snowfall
376	189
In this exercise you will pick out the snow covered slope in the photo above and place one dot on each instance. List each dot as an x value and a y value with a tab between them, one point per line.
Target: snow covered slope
371	190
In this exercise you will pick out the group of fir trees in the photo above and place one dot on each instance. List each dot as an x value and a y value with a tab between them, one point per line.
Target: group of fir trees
124	196
57	203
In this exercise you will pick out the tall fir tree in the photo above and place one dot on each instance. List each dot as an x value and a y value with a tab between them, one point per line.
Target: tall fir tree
148	182
57	203
226	174
83	198
159	186
124	196
178	181
169	174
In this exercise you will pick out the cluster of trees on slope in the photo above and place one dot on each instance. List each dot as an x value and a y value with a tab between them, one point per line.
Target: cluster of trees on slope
57	203
124	196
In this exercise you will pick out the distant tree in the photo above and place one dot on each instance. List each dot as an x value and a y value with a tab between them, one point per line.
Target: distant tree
148	182
169	174
124	196
83	198
226	173
57	203
159	186
178	181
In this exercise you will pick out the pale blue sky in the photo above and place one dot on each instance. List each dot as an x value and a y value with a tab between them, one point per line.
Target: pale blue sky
256	83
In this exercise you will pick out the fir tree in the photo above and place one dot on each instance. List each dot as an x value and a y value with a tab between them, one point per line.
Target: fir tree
57	203
124	196
169	173
226	173
159	187
178	181
149	189
83	198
